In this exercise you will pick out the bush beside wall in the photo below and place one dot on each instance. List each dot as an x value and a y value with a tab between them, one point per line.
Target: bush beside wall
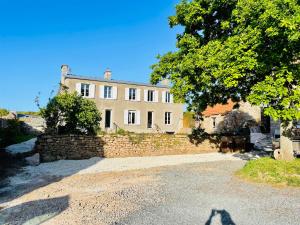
55	147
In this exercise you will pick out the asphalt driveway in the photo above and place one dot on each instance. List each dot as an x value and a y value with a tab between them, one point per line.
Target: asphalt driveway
208	193
195	193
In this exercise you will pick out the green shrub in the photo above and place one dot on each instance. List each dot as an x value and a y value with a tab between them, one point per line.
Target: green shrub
29	113
69	113
13	133
136	138
3	112
122	131
101	132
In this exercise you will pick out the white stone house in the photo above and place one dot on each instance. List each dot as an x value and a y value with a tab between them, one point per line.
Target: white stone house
132	106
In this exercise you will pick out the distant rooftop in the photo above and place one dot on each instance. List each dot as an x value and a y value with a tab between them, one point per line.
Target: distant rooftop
92	78
219	109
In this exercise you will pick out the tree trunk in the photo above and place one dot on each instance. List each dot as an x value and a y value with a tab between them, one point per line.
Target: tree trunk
286	145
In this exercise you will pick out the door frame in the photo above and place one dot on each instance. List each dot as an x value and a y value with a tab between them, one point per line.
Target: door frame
110	122
152	119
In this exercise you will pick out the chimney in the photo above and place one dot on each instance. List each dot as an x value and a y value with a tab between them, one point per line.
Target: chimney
65	70
165	82
107	74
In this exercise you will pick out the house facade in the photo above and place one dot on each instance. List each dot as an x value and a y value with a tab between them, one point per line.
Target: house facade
132	106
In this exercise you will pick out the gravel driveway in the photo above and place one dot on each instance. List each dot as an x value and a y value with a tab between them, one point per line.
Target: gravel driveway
195	193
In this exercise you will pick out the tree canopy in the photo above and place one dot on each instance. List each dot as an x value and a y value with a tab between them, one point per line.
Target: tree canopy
69	113
3	112
236	49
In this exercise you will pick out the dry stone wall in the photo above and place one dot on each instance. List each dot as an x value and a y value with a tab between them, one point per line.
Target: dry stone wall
52	148
57	147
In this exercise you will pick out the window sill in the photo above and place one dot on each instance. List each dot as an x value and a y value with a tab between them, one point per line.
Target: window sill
151	102
109	98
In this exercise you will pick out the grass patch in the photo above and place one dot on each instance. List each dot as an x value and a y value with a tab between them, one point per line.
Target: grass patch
13	133
271	171
23	137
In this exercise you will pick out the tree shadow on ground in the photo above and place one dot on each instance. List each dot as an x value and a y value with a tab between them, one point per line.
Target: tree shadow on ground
251	155
225	217
34	212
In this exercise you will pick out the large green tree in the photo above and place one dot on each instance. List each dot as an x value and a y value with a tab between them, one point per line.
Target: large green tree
236	49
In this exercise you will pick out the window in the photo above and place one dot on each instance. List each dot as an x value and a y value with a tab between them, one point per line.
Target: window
132	94
85	89
214	122
131	117
168	97
150	96
107	92
167	118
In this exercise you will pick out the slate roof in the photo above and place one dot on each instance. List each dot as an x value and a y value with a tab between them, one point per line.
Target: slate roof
73	76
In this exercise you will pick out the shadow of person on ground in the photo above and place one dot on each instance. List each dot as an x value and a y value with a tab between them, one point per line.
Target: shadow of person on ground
34	212
225	217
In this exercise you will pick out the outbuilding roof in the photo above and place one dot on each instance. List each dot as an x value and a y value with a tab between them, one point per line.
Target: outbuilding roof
219	109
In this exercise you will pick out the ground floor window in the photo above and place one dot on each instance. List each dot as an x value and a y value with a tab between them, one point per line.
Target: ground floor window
167	118
131	117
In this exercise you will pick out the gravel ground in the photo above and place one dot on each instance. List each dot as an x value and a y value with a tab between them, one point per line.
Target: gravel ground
99	165
198	193
208	193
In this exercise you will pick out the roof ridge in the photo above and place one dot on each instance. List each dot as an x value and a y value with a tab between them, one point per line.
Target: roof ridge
92	78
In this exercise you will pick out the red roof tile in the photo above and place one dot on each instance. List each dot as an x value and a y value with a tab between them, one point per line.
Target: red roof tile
219	109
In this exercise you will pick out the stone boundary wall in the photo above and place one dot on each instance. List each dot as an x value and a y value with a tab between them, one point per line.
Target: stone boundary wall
56	147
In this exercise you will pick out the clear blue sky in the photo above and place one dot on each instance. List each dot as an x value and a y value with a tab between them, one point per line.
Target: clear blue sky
37	37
